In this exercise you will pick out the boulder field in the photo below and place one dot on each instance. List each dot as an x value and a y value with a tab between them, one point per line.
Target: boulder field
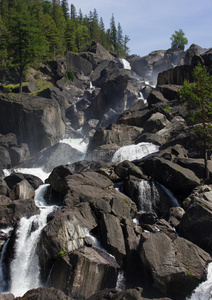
121	228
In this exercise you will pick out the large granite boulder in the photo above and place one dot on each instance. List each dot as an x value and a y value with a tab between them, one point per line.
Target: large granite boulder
83	272
168	173
77	64
176	266
119	134
46	293
34	120
12	211
196	222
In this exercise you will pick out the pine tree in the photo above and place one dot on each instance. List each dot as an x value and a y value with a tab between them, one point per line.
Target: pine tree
113	33
26	43
3	44
120	41
65	8
197	96
73	12
60	22
70	36
126	48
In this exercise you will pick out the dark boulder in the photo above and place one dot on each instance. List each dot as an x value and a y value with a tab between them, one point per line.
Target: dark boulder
83	272
168	173
77	64
35	120
12	211
15	178
42	293
196	222
176	266
118	134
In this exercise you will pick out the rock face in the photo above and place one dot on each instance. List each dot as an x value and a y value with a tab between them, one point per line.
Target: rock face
195	224
182	265
151	65
35	121
83	272
45	293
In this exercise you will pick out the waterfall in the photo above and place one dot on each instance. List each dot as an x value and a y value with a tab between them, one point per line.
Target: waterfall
125	63
148	194
204	290
25	271
133	152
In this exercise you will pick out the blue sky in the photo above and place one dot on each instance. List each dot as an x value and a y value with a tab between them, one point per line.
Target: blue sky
150	23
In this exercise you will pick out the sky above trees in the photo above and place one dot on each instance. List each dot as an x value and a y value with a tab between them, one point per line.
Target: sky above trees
151	23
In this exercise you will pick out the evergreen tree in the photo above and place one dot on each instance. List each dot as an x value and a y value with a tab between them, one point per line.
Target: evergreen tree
65	8
73	12
113	33
47	7
26	43
80	15
197	96
178	40
126	48
50	31
3	44
120	41
70	36
60	22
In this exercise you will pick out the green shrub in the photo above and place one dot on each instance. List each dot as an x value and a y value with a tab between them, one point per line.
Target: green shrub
69	75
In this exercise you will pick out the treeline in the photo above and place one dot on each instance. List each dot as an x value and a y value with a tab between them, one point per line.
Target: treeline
42	30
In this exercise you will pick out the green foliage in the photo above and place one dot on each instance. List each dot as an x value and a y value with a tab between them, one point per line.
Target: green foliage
62	253
197	96
34	31
69	75
168	109
178	40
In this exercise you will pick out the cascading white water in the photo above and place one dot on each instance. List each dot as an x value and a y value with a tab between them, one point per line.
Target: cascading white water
204	290
147	196
133	152
25	271
125	63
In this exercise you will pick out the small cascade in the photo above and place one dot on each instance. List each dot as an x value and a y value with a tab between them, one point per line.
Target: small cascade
125	63
25	271
120	284
78	144
204	290
148	194
133	152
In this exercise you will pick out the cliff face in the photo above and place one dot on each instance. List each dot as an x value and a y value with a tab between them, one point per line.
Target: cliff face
35	121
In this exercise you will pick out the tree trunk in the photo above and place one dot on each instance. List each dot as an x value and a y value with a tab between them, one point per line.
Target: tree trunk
21	79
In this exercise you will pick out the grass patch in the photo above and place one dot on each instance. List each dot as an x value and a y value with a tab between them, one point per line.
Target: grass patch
10	87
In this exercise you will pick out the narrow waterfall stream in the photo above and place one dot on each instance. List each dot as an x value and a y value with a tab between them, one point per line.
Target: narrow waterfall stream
24	268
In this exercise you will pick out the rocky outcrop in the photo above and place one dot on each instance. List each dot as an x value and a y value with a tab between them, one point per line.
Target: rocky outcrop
168	173
155	62
174	264
84	272
35	121
44	293
114	134
195	224
12	153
